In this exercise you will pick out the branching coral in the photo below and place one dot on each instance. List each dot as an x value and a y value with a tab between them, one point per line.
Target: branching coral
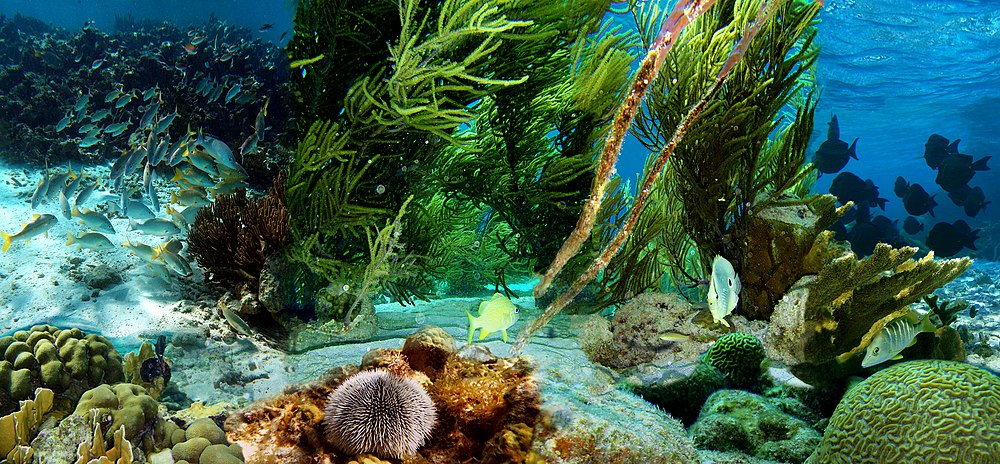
827	318
233	236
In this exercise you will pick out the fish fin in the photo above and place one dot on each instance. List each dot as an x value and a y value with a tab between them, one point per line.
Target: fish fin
6	240
851	151
70	239
483	333
981	164
472	323
34	216
725	322
897	357
503	334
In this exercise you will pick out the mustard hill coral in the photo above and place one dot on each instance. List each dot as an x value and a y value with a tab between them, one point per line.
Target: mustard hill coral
826	319
380	413
913	410
67	361
127	405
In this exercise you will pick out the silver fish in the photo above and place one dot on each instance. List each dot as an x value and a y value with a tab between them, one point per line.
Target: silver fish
155	226
723	290
84	194
61	125
39	224
40	190
123	100
93	219
64	205
81	102
233	91
93	240
149	115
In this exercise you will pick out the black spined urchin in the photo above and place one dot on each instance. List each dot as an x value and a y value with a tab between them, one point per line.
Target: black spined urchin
380	413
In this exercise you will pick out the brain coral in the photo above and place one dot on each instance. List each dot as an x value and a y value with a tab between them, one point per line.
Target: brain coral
380	413
738	356
917	411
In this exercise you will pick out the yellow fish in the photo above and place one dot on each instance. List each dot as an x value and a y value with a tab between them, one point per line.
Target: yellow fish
497	313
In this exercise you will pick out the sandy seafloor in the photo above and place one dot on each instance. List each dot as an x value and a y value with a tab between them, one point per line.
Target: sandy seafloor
47	282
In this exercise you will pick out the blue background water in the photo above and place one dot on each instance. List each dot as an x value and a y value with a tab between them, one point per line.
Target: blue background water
893	71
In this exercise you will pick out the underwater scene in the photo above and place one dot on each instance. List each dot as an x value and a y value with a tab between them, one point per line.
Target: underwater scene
499	231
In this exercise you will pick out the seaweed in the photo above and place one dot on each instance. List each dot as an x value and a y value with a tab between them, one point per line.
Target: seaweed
486	112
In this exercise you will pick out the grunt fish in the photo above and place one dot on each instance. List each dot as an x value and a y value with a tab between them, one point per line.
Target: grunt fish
40	190
143	251
64	205
496	314
155	226
93	219
233	91
723	290
93	240
896	336
39	224
81	102
123	100
61	125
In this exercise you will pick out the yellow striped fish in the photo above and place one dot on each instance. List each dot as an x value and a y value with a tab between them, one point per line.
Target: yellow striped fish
896	336
496	314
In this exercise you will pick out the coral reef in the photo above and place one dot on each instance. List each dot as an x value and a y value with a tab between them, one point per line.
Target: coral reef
133	365
97	452
68	362
18	428
484	407
911	411
735	420
828	318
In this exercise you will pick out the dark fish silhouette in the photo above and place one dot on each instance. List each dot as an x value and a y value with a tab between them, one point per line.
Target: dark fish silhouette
975	201
957	170
917	201
948	239
863	237
912	226
265	26
900	187
833	154
937	148
959	195
887	230
849	187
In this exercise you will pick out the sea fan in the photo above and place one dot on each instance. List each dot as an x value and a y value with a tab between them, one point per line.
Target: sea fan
380	413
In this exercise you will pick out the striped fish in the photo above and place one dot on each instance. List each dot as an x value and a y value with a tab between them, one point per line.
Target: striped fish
895	337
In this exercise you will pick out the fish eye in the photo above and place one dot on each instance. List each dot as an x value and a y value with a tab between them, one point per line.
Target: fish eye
516	309
876	350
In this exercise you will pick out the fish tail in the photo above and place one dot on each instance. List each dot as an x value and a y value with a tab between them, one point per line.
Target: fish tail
70	239
7	239
472	325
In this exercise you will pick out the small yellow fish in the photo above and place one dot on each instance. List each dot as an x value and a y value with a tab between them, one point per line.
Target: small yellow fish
896	336
674	337
723	290
305	62
496	314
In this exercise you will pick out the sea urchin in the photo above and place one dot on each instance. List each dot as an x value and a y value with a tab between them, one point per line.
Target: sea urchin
380	413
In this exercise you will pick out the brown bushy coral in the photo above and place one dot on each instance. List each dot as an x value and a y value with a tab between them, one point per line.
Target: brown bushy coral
487	409
233	236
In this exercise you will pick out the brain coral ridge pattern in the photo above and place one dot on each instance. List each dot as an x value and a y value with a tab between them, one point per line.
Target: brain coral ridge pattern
917	412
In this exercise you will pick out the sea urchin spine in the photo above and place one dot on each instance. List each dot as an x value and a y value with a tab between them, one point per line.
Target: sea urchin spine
380	413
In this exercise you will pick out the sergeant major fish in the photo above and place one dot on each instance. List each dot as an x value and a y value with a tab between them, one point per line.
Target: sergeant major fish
496	314
39	224
896	336
723	290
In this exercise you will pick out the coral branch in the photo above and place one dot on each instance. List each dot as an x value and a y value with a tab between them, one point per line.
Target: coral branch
683	13
639	204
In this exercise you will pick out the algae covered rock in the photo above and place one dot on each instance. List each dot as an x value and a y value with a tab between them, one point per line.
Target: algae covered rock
916	411
736	420
66	361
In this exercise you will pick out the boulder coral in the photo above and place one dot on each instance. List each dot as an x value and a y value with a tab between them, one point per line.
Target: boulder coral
68	362
912	410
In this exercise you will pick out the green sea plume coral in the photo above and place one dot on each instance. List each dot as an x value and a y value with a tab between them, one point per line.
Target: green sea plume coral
486	106
916	411
745	152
